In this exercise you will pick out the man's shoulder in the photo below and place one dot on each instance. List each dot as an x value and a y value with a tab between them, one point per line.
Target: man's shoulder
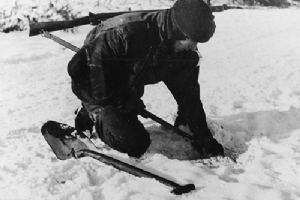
134	28
124	19
129	25
125	30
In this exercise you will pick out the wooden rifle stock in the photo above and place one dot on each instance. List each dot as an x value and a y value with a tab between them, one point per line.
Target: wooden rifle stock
40	27
93	19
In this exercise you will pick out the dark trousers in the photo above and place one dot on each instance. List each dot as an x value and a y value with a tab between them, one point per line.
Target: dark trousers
120	130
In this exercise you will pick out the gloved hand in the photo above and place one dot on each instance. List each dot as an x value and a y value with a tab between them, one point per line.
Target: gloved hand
180	120
208	147
188	58
132	105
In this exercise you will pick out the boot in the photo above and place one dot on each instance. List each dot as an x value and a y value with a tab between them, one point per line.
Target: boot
83	121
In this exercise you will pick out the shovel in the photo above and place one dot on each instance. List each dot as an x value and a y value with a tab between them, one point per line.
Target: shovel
67	142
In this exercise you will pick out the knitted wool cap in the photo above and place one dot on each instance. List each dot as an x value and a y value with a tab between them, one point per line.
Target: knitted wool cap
194	18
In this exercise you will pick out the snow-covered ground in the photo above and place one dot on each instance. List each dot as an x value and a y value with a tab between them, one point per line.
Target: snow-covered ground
250	88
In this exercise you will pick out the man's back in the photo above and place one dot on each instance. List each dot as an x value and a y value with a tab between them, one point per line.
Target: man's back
121	20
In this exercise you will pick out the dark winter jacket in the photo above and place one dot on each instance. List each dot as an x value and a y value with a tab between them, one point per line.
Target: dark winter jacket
125	53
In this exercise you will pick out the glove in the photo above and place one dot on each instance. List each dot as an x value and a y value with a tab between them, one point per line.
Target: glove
188	58
180	120
208	147
133	105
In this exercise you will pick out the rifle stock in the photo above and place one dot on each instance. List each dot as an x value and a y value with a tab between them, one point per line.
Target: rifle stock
93	19
39	27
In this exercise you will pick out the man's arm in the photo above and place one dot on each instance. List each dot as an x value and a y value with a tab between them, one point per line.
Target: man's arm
112	52
184	86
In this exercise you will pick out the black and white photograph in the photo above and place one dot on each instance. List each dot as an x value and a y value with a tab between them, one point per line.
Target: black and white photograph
149	99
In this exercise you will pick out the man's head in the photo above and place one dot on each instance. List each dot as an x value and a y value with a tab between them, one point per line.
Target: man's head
194	19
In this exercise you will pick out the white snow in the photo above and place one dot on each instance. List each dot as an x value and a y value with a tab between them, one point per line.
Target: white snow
250	89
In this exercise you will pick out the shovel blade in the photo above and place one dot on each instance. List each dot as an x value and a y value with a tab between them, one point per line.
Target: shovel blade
63	139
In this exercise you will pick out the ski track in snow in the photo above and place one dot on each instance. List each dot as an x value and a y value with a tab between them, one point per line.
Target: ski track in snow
250	89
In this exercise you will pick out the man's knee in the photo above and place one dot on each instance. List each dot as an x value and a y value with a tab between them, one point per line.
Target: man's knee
139	147
122	131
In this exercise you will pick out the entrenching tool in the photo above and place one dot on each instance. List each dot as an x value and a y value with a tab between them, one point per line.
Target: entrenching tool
67	142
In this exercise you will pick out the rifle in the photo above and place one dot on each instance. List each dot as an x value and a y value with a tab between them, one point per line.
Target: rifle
95	19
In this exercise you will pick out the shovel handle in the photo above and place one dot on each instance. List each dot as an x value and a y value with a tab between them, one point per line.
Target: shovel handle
177	189
146	114
182	189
